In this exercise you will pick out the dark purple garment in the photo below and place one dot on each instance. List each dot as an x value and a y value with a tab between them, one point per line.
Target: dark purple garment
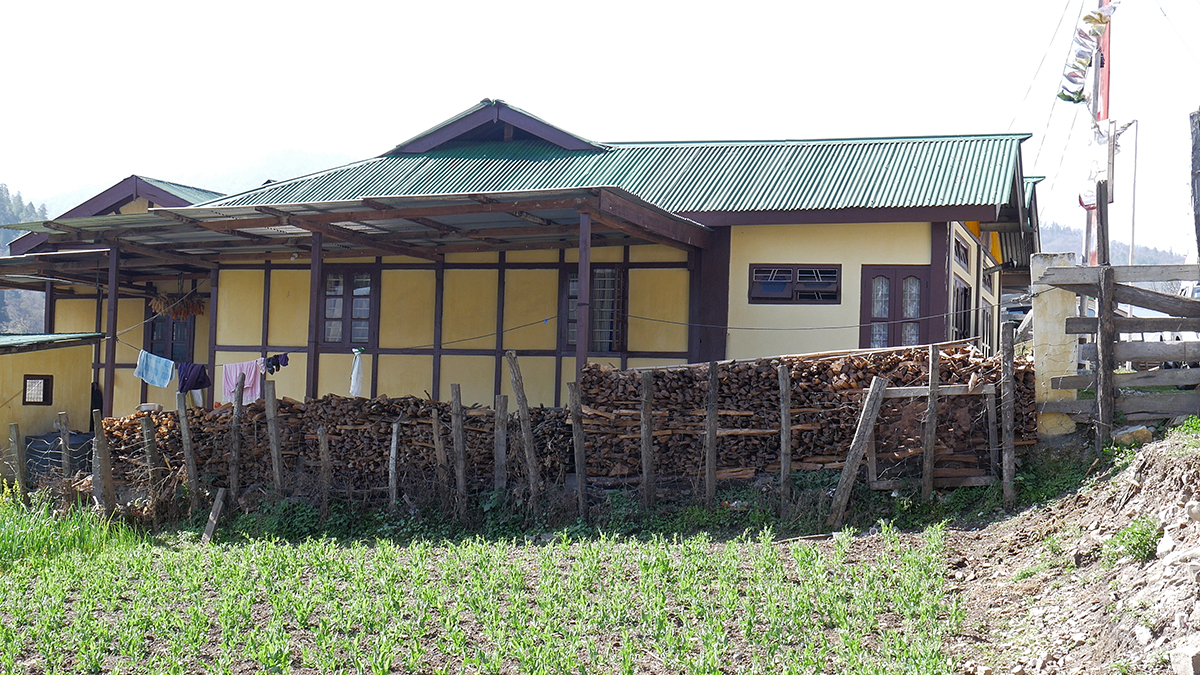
193	376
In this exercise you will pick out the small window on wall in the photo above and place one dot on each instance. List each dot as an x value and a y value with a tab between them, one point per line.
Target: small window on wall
988	284
608	299
39	390
962	309
170	338
348	308
986	330
962	252
795	284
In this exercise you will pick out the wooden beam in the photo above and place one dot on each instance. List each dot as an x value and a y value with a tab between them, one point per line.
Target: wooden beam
450	229
1167	404
943	390
1171	377
1122	274
342	234
1175	305
1008	396
1147	351
1083	325
931	422
858	446
632	229
523	215
162	254
692	236
1106	336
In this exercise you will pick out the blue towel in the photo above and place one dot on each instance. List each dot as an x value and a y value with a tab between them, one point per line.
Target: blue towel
154	370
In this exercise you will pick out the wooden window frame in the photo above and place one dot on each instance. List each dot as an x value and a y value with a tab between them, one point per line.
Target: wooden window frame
47	390
170	342
348	272
896	273
763	297
621	321
961	244
957	285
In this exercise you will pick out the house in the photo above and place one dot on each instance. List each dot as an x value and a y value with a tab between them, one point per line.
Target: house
489	231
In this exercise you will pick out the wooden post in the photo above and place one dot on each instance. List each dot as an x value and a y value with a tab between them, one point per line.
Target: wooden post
64	441
189	452
577	436
22	467
648	484
1106	338
439	456
214	516
1102	241
500	445
583	306
110	344
854	456
154	459
872	459
459	437
1194	123
531	463
1007	412
710	435
102	467
326	470
785	437
993	436
235	439
273	436
393	458
931	422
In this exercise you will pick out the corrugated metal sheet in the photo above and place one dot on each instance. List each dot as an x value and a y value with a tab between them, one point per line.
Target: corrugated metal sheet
192	195
27	342
689	177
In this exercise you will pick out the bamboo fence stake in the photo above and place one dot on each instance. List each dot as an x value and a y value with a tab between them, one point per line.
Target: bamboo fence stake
785	437
272	405
710	435
1007	413
64	441
326	470
102	467
439	455
647	427
189	452
531	462
577	437
500	444
931	423
22	468
1106	337
235	439
459	436
393	457
854	456
214	516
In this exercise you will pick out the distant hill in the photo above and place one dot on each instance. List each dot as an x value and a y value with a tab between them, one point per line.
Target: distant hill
1062	239
20	311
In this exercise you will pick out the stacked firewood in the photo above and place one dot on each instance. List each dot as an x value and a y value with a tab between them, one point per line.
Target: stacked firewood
826	398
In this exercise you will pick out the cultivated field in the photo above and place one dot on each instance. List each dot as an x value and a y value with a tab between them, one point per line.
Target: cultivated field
113	602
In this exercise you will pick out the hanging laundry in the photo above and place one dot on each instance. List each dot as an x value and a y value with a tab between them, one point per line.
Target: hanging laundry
154	370
356	374
229	376
274	363
193	376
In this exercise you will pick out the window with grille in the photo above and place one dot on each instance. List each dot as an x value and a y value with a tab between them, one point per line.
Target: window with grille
962	309
607	318
170	338
39	390
962	252
348	300
988	283
796	284
986	329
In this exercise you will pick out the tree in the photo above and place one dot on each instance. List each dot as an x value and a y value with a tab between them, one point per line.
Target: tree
20	311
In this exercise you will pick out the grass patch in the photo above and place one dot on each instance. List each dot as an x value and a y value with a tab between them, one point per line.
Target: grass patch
1137	540
33	535
611	605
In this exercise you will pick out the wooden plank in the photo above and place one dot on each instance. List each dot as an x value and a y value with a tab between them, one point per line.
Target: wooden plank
1167	404
710	434
1123	274
272	405
440	460
500	444
326	470
235	438
189	451
943	390
531	463
1174	305
1178	351
993	440
213	517
1083	325
459	436
64	443
785	437
154	458
580	460
1168	377
676	231
393	467
1105	339
647	429
102	476
931	422
854	456
22	467
1007	414
1102	240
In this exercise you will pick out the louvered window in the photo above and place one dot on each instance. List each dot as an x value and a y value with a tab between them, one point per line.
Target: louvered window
796	284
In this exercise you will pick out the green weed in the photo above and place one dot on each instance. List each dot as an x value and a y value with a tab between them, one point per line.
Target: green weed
1137	540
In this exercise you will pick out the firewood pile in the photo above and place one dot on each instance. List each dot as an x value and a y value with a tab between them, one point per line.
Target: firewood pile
826	398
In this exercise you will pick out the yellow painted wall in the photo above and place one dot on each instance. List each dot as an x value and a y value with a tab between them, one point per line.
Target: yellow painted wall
290	381
469	309
75	316
600	254
405	375
72	372
655	363
658	294
656	253
532	256
475	374
139	205
406	309
287	321
239	307
531	295
852	245
404	259
200	348
334	376
479	257
537	372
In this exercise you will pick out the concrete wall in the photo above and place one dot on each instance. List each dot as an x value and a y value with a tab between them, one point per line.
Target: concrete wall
72	372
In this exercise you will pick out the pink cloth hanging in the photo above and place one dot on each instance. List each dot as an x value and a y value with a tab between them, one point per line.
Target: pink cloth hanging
229	378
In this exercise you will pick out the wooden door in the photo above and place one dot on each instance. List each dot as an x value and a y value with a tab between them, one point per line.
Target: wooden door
895	306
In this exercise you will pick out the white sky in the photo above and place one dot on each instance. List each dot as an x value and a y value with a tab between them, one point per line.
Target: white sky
226	95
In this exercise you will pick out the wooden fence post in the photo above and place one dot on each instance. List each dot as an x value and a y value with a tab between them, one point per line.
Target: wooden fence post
64	440
189	452
273	436
785	437
214	516
931	422
235	439
439	456
854	456
989	401
326	470
710	435
577	436
531	462
102	467
1007	412
500	444
1106	338
393	458
154	458
22	468
648	484
459	436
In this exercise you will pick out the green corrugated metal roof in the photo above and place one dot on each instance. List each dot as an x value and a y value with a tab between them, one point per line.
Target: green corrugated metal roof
28	342
688	176
192	195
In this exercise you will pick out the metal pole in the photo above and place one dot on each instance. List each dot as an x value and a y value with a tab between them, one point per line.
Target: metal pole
1133	190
